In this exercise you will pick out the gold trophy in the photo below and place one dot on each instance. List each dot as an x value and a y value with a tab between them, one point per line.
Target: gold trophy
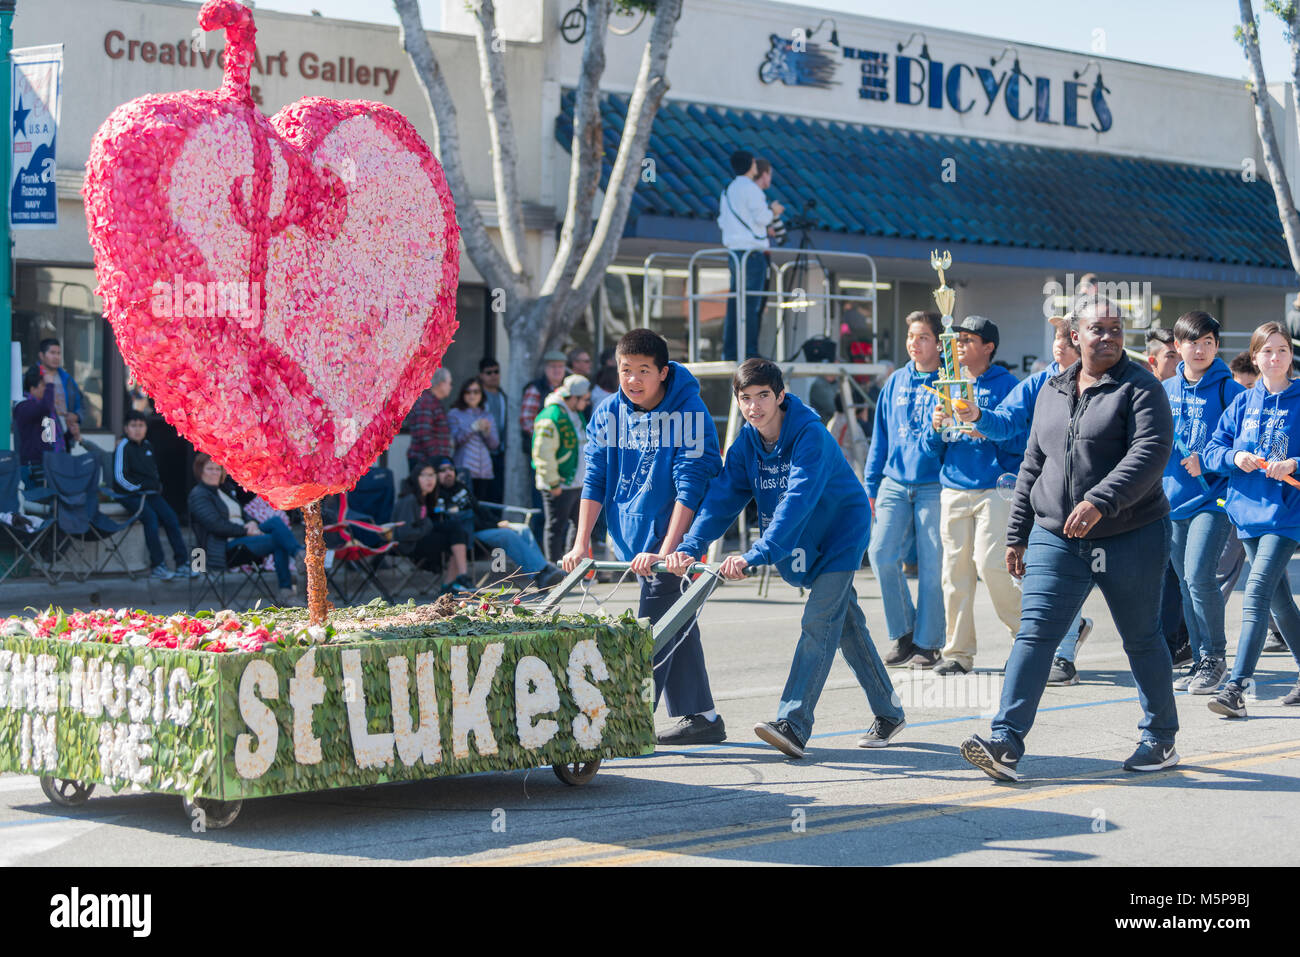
955	389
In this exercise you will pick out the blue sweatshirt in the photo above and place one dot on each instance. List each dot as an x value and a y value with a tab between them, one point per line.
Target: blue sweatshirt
813	516
1010	421
1264	425
641	464
903	413
1196	408
970	463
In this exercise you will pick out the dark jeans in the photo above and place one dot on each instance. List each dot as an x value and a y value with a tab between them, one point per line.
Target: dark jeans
157	512
1059	572
680	674
559	511
1266	590
278	542
496	485
1172	624
755	283
428	551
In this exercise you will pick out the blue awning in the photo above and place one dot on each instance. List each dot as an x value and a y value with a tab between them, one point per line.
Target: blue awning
882	191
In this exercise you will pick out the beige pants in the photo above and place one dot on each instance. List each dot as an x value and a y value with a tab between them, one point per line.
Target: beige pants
973	529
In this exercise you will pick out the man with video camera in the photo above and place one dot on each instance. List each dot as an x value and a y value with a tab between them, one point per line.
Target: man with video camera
744	216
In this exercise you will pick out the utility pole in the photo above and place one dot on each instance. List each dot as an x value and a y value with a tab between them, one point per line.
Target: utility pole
6	253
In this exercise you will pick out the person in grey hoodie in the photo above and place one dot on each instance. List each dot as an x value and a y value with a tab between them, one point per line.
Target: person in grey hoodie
1089	508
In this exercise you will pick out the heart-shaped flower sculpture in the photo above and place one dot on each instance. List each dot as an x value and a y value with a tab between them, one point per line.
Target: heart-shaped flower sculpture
283	289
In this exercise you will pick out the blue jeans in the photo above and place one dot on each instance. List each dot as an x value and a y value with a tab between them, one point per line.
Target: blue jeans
277	542
680	675
832	618
1266	590
1059	572
1195	548
518	544
908	515
755	283
157	512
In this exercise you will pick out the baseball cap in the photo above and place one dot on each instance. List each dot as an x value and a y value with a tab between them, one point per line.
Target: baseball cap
573	386
982	327
555	356
439	461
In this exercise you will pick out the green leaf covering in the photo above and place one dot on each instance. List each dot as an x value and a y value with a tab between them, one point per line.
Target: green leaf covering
198	758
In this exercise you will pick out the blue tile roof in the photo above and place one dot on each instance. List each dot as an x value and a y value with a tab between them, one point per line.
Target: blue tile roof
872	181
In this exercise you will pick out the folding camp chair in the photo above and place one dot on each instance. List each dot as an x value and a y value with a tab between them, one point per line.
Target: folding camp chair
242	575
78	522
356	564
30	537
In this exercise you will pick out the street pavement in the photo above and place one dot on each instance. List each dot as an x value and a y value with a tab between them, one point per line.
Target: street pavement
742	802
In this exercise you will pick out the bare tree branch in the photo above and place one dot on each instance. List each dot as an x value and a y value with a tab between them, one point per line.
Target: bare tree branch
586	154
486	258
1268	136
651	85
501	132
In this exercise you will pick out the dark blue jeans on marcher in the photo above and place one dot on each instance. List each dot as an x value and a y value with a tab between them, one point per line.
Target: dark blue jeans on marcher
832	618
680	674
1195	548
1059	572
277	542
157	512
1266	590
755	282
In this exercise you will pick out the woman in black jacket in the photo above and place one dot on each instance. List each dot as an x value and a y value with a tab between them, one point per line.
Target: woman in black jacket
220	525
425	534
1090	508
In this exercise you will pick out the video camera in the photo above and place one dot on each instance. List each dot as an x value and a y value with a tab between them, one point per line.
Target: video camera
803	222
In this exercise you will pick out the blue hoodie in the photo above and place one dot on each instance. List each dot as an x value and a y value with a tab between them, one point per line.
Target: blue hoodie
903	413
641	464
1264	425
1011	419
808	498
970	463
1196	409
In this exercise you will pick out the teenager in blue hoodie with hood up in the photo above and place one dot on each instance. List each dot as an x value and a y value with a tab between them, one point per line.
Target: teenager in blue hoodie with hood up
812	519
1198	393
651	451
1255	443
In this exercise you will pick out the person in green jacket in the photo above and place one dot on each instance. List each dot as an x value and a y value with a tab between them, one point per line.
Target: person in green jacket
558	460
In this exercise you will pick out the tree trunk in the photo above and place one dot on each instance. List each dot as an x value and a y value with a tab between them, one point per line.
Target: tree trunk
526	341
1268	136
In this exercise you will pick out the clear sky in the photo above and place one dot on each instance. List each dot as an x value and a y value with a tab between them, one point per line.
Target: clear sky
1186	34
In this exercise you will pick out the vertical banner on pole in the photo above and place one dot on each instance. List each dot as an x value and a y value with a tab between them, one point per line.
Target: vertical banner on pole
35	96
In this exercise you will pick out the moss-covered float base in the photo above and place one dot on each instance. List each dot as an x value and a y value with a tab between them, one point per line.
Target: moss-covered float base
380	694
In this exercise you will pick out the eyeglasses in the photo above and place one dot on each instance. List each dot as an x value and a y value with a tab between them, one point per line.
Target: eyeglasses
490	372
446	468
473	391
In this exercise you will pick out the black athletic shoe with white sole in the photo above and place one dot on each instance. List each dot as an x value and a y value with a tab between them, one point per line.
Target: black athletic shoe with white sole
881	733
1229	702
1150	756
994	758
900	655
781	736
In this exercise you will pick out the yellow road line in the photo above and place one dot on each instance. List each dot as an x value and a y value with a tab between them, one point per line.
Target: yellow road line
741	835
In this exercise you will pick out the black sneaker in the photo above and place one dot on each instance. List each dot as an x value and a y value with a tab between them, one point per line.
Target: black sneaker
926	658
881	732
1150	756
781	736
694	729
950	667
1229	702
1185	679
549	576
994	758
1062	673
1183	655
1293	696
1274	644
900	655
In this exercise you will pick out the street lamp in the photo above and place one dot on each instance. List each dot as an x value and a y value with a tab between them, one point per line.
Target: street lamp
6	254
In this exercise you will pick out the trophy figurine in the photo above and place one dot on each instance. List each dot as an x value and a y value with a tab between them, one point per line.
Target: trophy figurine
953	387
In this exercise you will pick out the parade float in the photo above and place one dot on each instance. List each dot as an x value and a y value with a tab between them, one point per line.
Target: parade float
284	288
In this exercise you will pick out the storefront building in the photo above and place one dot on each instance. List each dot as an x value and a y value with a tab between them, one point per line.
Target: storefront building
1032	166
